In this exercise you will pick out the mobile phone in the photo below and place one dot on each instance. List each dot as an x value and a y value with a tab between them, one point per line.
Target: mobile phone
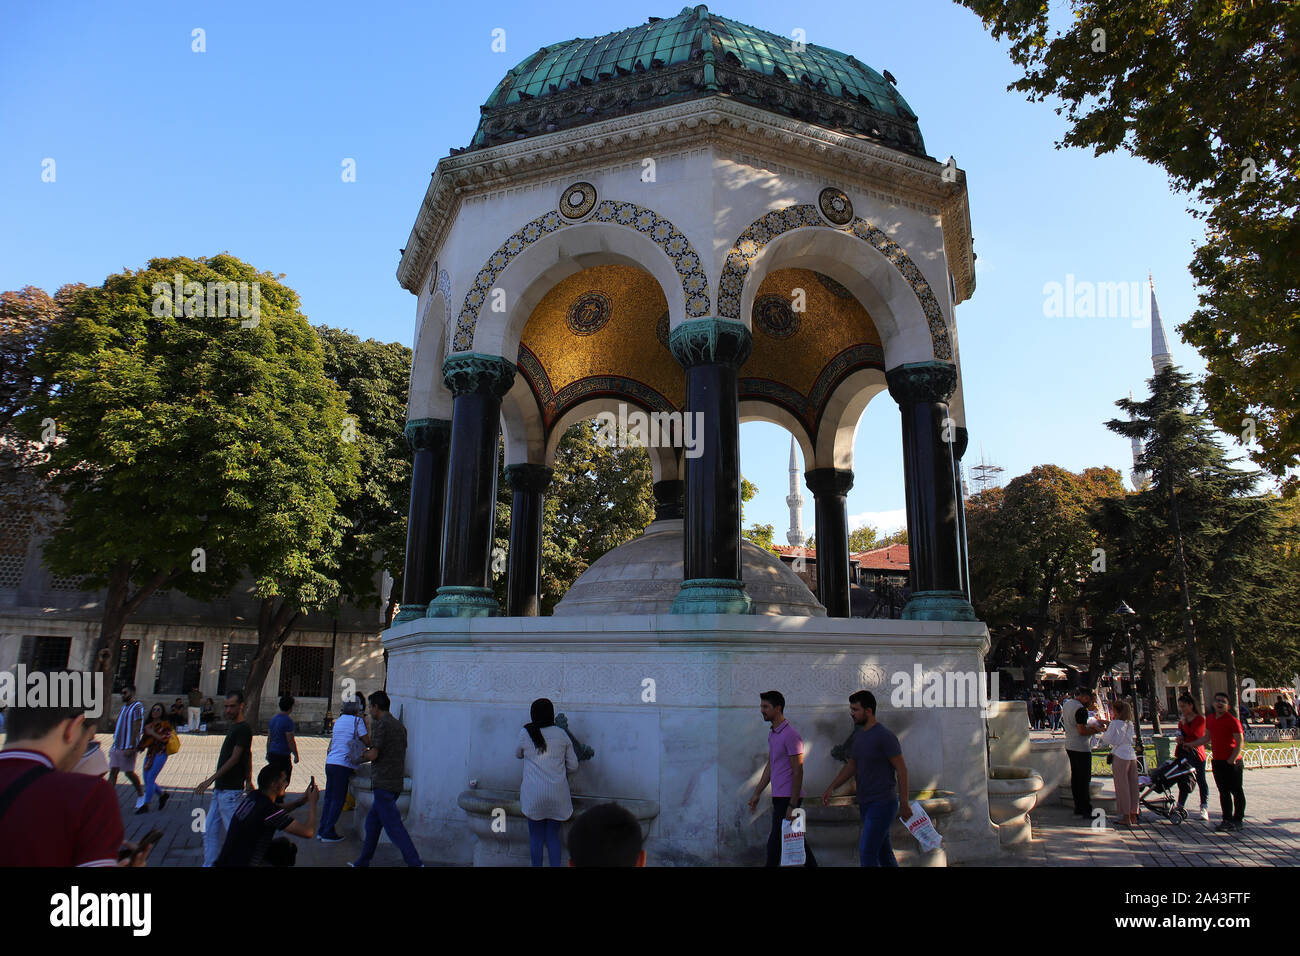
150	838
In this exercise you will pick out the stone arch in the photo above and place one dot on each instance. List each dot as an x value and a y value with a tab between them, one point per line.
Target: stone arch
757	410
664	463
762	239
428	396
550	247
843	413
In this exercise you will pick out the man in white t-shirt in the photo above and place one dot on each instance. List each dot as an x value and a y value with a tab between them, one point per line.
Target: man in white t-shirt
1079	729
347	742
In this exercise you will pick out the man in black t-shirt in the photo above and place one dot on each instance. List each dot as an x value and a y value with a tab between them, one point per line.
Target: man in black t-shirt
251	840
234	771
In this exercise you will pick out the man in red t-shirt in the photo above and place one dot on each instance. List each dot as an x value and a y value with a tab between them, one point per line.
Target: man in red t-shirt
48	815
1225	735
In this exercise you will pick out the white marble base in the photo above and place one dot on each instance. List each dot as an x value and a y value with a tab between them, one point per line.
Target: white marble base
670	704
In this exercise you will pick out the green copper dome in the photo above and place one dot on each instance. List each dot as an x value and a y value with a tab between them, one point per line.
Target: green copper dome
690	56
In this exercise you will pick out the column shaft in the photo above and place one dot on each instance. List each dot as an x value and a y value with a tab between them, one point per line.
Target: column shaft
524	584
429	440
830	487
477	383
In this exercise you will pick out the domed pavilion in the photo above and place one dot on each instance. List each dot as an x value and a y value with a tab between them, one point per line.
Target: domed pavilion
699	221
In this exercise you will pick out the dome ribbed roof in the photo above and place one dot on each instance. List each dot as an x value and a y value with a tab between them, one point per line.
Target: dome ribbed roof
690	56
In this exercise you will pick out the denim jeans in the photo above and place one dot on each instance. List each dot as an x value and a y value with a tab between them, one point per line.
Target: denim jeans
383	815
336	794
874	848
151	788
221	810
544	833
1185	785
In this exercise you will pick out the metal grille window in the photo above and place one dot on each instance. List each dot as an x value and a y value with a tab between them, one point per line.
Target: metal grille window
65	582
128	653
236	659
45	653
15	532
179	665
302	671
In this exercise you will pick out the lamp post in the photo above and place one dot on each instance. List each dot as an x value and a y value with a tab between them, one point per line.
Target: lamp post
1126	615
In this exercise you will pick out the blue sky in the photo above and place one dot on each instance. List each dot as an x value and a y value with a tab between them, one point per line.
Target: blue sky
162	151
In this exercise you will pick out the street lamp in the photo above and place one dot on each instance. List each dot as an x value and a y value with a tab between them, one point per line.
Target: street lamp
1126	615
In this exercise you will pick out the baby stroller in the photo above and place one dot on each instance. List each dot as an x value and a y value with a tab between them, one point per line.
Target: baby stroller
1158	793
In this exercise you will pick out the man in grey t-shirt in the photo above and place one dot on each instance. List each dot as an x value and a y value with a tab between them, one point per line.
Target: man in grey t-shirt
876	759
1078	748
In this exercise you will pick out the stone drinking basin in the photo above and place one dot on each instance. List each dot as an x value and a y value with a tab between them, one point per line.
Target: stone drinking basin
833	830
494	846
1013	793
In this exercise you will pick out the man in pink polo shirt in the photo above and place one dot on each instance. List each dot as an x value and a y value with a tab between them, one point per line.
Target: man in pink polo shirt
785	772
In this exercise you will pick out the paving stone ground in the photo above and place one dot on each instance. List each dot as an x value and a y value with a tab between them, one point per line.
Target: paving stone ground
182	842
1271	837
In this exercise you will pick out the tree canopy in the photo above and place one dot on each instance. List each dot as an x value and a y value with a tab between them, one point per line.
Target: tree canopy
1208	90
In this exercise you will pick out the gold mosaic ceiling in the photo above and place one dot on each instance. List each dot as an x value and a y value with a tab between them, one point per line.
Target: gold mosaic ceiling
609	322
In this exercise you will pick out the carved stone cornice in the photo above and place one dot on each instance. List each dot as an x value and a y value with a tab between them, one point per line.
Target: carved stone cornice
424	433
851	162
922	382
711	342
468	372
529	477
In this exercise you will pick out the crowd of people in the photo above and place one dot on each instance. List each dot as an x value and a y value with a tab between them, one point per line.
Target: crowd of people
1091	723
57	809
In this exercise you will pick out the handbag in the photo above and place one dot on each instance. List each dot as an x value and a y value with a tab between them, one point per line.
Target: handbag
356	746
173	743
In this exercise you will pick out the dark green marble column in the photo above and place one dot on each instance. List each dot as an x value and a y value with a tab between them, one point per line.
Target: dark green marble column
712	351
429	440
959	451
929	470
668	499
477	383
830	486
524	580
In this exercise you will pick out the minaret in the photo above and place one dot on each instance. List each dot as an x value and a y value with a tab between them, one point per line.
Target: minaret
1140	478
1160	357
795	500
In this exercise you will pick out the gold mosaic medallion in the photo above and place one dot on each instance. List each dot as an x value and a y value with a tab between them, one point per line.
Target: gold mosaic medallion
578	200
835	206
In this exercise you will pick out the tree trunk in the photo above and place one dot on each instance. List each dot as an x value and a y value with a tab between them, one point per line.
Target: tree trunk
1230	665
1151	688
1189	627
273	628
119	605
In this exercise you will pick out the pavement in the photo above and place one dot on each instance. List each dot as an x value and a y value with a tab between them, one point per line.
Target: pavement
1271	836
182	820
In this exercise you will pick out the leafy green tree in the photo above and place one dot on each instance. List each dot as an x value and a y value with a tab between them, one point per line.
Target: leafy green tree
1208	90
194	444
1197	511
599	497
1031	550
760	534
26	317
375	377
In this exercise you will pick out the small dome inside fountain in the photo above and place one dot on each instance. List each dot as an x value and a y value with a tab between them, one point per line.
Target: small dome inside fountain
645	574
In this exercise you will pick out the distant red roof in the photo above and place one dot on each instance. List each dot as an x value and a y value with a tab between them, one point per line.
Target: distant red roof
895	557
789	550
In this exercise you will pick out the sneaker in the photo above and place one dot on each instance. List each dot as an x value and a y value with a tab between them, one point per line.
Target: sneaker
143	809
163	798
329	839
1205	814
1223	827
1238	825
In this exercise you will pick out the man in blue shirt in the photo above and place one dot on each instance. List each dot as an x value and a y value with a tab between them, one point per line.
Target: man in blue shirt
876	759
280	741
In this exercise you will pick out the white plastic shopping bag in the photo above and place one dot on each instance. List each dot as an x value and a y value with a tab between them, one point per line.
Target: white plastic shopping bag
792	849
922	827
